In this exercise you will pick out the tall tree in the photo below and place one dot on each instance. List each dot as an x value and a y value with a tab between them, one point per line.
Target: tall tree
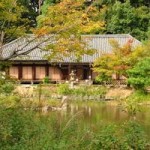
61	26
11	22
32	7
127	19
68	19
121	59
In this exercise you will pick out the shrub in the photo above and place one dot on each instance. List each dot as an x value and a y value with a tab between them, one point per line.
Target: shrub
81	90
102	77
139	75
64	89
46	80
134	136
7	88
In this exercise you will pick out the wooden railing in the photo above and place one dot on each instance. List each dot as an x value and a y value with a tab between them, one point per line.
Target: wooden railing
115	83
112	83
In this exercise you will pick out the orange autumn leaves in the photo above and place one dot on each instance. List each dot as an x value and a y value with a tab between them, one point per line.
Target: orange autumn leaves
66	19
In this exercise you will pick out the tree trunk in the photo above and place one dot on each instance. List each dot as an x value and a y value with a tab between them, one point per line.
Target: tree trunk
1	43
39	3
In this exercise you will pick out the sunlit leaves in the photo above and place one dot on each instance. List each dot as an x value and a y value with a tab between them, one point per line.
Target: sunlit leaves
116	62
11	23
67	20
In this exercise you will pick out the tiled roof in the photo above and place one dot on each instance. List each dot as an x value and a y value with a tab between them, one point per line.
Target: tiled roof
99	42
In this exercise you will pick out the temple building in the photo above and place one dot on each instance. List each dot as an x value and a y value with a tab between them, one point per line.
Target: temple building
34	67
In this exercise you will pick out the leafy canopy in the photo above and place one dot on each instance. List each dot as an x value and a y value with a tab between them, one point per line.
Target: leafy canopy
66	21
116	62
128	19
12	23
121	59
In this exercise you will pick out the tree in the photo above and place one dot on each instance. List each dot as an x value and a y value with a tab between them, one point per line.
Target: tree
139	75
116	62
11	22
121	59
32	7
127	19
61	26
68	19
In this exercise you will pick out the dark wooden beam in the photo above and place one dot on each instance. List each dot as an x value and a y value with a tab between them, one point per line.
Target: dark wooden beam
69	71
47	70
33	72
20	71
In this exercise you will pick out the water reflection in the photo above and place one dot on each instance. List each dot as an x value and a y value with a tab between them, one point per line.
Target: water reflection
101	111
96	112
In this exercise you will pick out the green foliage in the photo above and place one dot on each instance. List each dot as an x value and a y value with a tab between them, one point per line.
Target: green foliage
11	20
81	90
48	3
115	63
6	85
9	101
139	75
7	88
46	80
102	77
17	131
31	12
127	19
64	89
107	135
133	133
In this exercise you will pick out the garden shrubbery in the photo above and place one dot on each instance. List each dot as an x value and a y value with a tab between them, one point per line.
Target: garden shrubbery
64	89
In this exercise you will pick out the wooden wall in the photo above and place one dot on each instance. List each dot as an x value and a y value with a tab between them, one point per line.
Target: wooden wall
38	72
13	72
55	73
27	73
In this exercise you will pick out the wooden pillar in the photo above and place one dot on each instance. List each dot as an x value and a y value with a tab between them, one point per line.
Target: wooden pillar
90	74
20	72
33	72
69	71
47	70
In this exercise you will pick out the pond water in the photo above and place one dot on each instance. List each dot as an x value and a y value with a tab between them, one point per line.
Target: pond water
93	113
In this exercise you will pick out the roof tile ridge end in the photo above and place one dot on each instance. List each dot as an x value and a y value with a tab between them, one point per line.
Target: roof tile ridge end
11	42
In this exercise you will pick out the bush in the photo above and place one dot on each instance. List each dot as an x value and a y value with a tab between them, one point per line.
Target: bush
64	89
9	101
134	136
139	75
46	80
7	88
107	138
81	90
102	77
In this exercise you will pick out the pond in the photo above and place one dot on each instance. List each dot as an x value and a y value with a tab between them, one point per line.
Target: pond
93	113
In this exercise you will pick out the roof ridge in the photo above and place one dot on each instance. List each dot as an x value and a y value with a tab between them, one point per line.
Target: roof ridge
7	44
107	35
13	41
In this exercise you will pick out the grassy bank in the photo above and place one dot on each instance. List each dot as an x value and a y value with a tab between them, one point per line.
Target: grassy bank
26	129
